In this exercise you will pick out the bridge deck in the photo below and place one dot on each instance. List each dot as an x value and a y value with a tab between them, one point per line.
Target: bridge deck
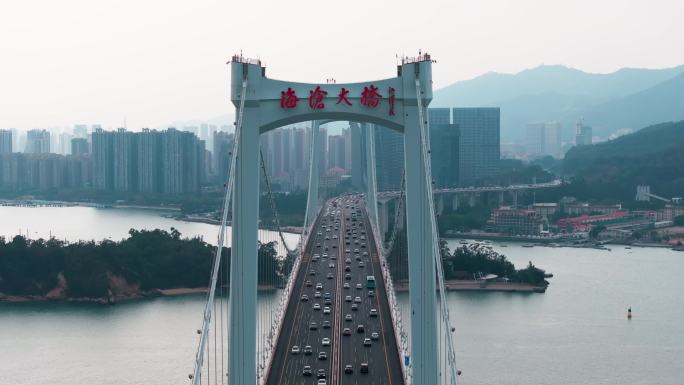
382	355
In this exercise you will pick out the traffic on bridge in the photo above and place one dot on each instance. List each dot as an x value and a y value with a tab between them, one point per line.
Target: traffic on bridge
338	327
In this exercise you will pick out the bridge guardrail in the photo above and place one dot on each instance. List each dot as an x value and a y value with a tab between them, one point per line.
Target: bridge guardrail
394	308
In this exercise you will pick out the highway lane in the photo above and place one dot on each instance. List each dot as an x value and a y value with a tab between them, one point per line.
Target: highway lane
287	368
382	355
342	221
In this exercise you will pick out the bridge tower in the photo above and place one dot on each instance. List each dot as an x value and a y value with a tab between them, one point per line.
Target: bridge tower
392	103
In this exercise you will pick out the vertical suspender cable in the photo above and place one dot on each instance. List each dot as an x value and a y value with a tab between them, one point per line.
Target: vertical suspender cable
209	306
435	240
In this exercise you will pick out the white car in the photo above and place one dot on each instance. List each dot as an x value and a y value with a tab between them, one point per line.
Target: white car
325	341
295	350
326	310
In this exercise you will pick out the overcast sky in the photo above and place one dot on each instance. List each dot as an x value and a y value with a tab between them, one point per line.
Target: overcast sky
158	61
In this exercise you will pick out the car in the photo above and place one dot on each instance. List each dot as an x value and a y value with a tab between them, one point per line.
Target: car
317	306
346	285
373	312
308	283
307	371
364	367
346	332
348	298
334	246
320	373
325	341
318	245
330	276
347	268
358	257
328	302
375	336
295	350
371	293
312	272
325	255
319	286
360	329
366	342
348	317
305	297
326	296
357	299
331	265
325	324
321	381
348	369
333	257
358	286
326	310
347	260
322	356
327	238
313	326
317	294
347	277
355	307
308	350
361	264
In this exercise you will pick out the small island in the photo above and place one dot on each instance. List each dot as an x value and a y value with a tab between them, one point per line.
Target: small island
474	267
147	263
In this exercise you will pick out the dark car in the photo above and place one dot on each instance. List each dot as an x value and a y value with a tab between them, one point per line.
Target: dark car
364	367
321	373
359	329
308	350
307	371
348	369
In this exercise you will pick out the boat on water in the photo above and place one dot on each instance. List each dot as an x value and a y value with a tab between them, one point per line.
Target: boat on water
627	247
528	245
503	245
463	242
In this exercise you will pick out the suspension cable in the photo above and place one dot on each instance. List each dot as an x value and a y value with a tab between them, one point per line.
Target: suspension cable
209	306
435	240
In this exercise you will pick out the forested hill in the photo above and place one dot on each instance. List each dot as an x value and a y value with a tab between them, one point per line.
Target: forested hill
142	264
652	156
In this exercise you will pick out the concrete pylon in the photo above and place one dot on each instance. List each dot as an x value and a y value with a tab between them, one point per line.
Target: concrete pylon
371	186
312	200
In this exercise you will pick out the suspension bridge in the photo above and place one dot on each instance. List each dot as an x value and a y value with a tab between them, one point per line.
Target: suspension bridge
335	318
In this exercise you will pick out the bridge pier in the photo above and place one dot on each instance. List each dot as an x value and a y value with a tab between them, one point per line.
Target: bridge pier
242	367
422	290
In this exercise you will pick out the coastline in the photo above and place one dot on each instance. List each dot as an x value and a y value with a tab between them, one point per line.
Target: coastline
477	285
113	299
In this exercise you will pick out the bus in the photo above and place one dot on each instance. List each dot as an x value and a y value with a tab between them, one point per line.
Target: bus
370	282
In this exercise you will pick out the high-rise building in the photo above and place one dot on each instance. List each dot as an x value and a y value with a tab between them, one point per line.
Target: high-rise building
389	158
544	139
80	130
444	146
336	151
125	161
479	147
323	161
149	162
223	148
103	159
358	153
5	141
182	155
37	142
583	134
79	146
347	149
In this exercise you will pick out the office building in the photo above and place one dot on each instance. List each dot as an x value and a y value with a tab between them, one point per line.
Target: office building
336	152
389	158
5	141
544	139
103	159
444	147
149	162
358	155
223	149
37	142
479	143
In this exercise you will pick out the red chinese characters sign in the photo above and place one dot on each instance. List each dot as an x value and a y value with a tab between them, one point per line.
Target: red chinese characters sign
369	97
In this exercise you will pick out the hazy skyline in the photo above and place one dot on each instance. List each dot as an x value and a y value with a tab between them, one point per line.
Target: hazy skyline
159	61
